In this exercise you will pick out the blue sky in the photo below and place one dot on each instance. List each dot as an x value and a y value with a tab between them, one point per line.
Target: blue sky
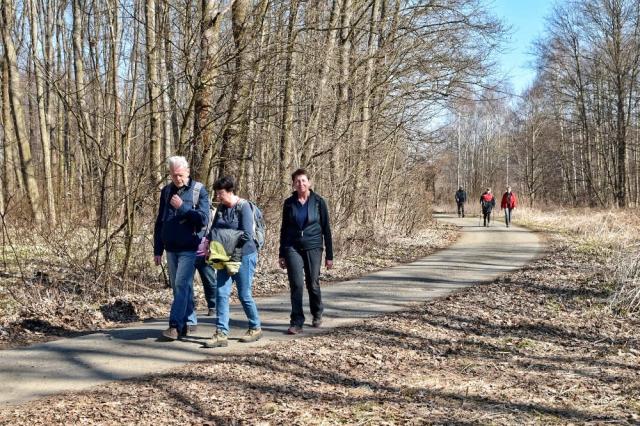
527	21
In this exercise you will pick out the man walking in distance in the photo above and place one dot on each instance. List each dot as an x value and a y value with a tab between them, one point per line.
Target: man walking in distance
509	201
461	198
177	231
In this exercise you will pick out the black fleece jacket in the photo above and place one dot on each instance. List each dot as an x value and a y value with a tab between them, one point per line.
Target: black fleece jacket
315	230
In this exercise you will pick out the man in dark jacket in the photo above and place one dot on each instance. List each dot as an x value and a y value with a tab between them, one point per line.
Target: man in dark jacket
461	198
178	231
305	227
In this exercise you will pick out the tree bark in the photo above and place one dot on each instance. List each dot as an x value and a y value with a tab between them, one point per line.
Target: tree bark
153	92
286	120
43	116
7	13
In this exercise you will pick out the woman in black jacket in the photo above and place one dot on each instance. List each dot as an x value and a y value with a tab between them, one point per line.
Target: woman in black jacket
305	227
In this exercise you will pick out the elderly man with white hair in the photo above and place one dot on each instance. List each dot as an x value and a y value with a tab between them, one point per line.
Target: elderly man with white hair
179	227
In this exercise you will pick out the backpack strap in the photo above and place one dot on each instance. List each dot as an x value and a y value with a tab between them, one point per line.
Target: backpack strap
196	193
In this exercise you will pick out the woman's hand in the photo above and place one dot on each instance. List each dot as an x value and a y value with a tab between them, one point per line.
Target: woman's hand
282	263
328	264
203	248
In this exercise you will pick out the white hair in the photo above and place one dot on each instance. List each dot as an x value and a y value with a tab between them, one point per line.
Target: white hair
178	161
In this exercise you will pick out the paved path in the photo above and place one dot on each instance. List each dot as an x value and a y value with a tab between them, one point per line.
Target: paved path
481	254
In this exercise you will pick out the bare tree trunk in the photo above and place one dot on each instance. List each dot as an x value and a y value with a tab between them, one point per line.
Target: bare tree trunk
7	12
43	116
312	133
128	190
204	89
153	92
13	178
342	112
235	129
256	69
171	78
86	127
286	121
359	195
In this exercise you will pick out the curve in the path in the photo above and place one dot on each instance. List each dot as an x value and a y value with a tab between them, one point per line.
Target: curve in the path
481	254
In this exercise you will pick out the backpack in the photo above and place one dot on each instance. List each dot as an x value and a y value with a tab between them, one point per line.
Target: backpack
259	226
212	210
486	204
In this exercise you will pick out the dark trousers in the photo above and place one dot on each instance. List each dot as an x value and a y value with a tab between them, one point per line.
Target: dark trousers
507	216
460	209
487	217
208	278
303	268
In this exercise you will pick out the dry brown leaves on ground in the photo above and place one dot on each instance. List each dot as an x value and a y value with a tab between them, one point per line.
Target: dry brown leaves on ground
537	347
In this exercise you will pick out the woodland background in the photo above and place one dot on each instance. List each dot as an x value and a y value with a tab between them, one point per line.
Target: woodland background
390	104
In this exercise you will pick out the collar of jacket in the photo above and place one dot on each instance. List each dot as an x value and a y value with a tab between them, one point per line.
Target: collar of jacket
183	188
294	194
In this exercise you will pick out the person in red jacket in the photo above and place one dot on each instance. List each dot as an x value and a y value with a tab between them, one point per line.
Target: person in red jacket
509	202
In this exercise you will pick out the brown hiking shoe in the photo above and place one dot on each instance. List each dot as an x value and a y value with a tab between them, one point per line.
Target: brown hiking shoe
294	329
170	333
218	340
251	335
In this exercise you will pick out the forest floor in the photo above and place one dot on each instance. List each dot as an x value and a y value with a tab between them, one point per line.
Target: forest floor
539	346
40	303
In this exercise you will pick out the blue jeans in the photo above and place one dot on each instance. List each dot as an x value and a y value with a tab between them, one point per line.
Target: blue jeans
507	216
182	267
208	278
244	281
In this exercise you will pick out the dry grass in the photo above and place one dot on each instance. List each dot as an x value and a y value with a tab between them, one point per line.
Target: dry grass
611	235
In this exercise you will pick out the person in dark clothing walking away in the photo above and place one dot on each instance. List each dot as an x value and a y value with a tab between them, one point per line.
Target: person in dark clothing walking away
487	202
509	202
461	198
305	226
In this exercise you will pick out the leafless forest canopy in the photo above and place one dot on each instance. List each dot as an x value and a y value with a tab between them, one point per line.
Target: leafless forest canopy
572	137
389	104
96	94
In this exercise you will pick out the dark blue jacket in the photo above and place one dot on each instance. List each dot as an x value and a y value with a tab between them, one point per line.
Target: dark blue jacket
180	229
315	230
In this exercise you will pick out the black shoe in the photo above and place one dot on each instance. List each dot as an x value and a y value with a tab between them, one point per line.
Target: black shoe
317	322
188	330
294	329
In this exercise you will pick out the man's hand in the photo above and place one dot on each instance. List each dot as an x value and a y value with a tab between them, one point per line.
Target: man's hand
328	264
176	201
282	263
157	260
